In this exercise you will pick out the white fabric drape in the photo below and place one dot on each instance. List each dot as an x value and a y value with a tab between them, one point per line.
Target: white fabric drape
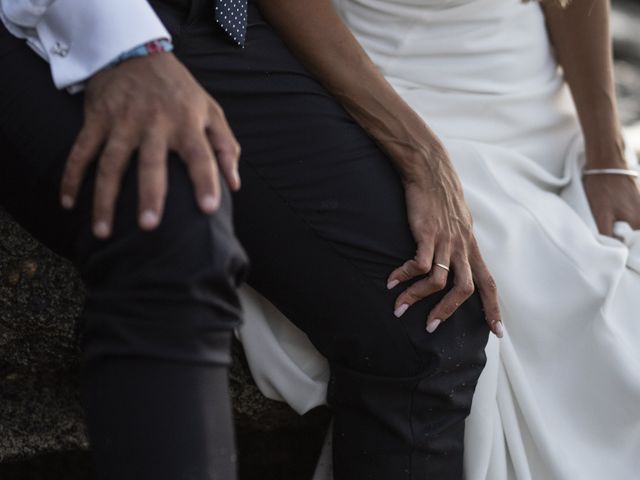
560	396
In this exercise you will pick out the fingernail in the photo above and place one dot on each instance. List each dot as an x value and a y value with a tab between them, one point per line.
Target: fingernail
392	284
101	230
499	328
209	203
149	219
400	310
236	177
433	324
67	202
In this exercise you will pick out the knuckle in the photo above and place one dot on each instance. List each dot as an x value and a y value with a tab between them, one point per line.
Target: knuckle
117	147
439	282
491	285
231	148
148	161
194	152
404	271
412	295
78	157
422	265
216	109
155	112
467	288
236	150
108	169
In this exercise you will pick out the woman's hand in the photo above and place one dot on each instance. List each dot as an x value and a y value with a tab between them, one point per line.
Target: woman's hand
443	229
439	218
581	38
613	198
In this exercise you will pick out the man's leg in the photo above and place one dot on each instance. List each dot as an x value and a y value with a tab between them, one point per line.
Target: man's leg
160	306
322	215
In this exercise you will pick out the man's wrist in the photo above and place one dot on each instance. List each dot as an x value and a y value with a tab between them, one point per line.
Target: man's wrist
146	49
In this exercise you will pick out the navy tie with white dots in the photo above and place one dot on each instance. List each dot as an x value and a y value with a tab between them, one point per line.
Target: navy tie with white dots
231	15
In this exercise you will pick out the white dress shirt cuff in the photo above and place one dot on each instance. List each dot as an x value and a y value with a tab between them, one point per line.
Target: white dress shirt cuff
80	37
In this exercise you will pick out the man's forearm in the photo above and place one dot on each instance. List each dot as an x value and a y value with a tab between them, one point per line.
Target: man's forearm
582	40
80	37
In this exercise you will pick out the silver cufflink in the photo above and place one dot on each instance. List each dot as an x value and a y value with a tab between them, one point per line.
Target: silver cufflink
60	49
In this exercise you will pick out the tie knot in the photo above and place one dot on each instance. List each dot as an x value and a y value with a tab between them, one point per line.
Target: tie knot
231	15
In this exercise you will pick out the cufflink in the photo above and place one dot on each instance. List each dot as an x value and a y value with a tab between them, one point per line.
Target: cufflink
60	49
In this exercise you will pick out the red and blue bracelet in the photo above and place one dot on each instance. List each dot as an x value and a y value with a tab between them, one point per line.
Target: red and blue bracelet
149	48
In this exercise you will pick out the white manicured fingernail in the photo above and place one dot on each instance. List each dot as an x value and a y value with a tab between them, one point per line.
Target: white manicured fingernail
67	202
433	324
499	328
101	230
209	203
400	310
392	284
149	219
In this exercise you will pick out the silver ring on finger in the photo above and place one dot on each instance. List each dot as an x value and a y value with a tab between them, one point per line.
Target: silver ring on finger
442	266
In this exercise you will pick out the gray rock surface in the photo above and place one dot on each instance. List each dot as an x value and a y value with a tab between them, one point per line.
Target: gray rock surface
40	299
625	22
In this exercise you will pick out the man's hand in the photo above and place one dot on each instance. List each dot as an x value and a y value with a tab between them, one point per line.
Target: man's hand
150	104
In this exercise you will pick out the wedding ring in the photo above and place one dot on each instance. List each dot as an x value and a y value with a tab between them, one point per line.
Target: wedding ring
442	266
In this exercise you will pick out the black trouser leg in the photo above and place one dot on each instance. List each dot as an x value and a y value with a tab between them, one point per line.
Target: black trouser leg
178	419
160	306
322	216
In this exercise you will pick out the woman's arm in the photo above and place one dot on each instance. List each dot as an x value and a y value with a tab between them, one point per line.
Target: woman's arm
582	40
438	216
317	35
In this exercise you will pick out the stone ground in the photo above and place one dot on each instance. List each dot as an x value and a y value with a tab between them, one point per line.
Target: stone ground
283	447
42	433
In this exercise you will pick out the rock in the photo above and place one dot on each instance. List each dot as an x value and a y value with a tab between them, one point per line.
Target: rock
625	21
40	299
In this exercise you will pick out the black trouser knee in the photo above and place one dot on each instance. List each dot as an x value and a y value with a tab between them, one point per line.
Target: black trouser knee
160	306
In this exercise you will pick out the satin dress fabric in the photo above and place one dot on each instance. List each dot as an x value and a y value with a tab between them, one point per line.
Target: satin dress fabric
559	398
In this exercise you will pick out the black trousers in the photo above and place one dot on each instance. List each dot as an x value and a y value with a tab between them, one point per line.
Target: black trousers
321	215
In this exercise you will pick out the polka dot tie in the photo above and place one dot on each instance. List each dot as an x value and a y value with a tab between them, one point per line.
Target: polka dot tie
231	15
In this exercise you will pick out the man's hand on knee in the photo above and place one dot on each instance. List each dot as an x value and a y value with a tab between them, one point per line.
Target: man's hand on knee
151	105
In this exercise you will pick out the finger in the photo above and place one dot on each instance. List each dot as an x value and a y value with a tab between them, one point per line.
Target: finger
152	180
111	166
462	289
82	153
630	216
203	170
225	147
420	265
436	281
605	224
488	291
635	223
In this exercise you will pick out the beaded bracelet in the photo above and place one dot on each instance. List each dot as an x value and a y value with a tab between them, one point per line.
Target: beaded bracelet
149	48
611	171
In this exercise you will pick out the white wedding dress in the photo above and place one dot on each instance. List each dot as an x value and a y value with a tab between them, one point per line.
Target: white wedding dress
560	396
